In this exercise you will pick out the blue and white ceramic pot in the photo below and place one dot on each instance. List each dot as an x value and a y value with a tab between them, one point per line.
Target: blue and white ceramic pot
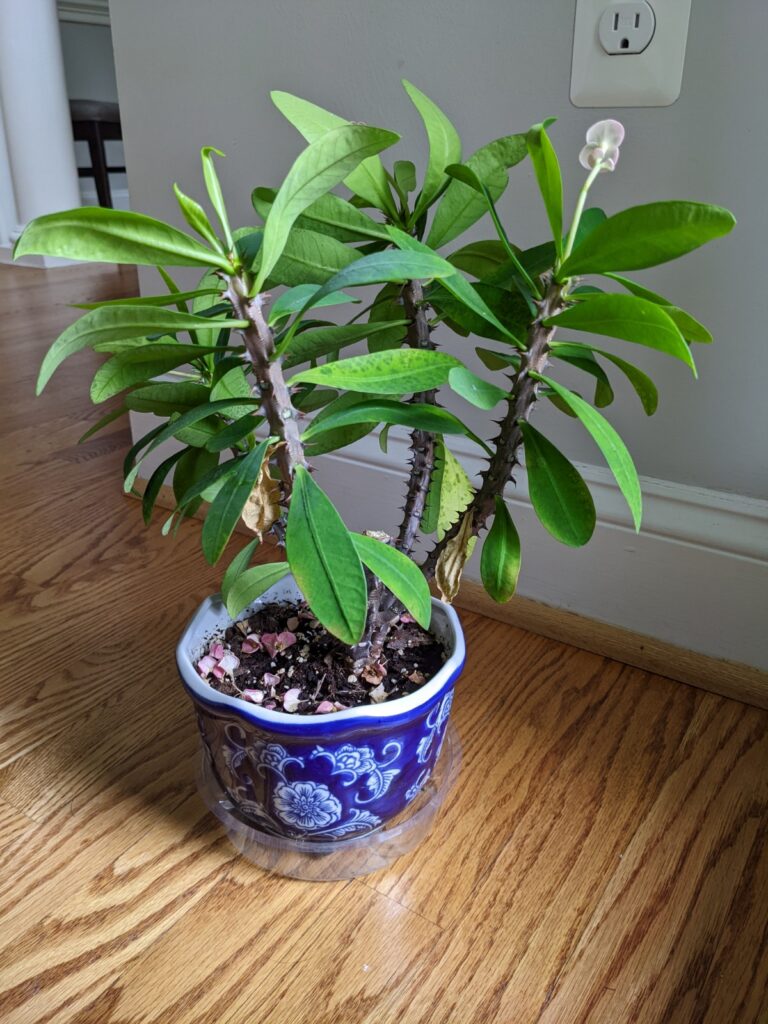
320	777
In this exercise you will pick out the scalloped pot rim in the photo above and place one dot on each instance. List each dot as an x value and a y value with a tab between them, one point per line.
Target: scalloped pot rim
212	617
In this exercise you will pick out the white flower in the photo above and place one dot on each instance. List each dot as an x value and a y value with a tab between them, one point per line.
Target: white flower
306	804
603	141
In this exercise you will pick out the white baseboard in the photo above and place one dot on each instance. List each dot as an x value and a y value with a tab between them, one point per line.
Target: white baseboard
696	576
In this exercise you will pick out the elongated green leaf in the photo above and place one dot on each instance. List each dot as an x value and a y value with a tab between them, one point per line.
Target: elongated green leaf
323	164
194	465
630	319
444	146
460	206
368	180
310	257
97	234
155	482
559	495
644	236
215	194
457	285
328	215
339	437
324	561
644	387
416	415
320	341
405	176
581	357
235	432
391	265
252	584
171	299
474	389
399	574
167	397
237	567
222	516
498	360
480	258
118	322
103	421
689	326
292	300
397	372
500	557
137	365
450	492
197	218
547	171
610	444
234	384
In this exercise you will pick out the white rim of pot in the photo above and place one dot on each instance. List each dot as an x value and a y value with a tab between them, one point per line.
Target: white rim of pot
450	635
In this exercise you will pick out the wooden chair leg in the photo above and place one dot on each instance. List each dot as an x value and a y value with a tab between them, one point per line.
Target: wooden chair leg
99	165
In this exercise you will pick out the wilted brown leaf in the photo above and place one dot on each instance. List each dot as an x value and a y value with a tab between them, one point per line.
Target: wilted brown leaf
451	562
262	508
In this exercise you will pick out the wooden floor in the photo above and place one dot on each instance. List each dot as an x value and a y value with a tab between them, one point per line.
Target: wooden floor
603	858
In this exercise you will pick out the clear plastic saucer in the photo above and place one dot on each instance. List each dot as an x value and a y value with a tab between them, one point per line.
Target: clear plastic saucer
342	858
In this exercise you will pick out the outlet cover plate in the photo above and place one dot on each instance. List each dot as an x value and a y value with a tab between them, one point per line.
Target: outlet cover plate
652	78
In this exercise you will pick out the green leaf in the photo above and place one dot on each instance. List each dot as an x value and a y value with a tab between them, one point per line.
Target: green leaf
117	323
415	415
474	389
689	326
399	574
547	171
213	186
644	387
237	567
252	584
234	384
197	218
222	516
309	257
137	365
480	258
460	206
103	421
194	465
405	175
558	493
644	236
324	561
320	341
323	164
457	285
581	357
500	557
172	299
328	215
630	319
397	372
155	482
166	397
368	180
380	267
498	360
97	234
444	146
610	444
450	492
235	432
292	300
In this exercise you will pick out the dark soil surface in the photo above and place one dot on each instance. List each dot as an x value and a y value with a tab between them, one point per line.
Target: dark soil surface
281	658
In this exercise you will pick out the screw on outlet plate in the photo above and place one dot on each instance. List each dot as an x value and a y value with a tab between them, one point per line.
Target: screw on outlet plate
626	28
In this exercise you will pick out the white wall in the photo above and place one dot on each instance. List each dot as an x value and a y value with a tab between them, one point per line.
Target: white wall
191	72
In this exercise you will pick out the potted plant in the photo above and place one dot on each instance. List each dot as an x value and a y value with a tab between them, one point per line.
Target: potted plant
323	678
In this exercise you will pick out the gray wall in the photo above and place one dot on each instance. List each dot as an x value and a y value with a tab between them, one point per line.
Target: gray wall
88	61
192	72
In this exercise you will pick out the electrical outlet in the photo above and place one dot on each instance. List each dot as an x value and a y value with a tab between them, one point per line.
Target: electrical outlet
626	28
649	37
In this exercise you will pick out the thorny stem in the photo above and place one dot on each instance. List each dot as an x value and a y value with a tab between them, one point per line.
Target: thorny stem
276	399
383	607
520	402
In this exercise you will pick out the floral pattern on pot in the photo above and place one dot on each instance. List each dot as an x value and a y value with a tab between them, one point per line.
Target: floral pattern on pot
324	777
